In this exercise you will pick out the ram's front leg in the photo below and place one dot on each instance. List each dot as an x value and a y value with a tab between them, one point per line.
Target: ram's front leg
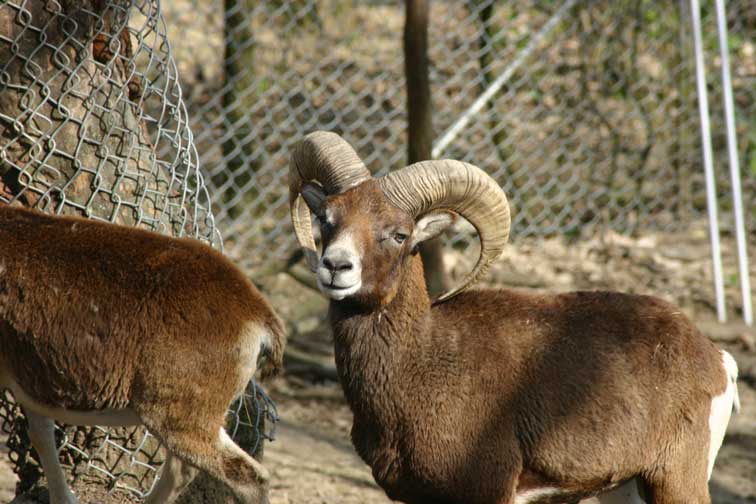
508	479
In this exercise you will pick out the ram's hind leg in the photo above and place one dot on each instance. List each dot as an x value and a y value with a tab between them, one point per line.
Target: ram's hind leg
217	454
626	493
665	493
683	482
42	436
174	478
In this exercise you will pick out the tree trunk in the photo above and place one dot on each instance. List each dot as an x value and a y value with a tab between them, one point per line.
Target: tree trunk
420	129
486	39
65	106
239	96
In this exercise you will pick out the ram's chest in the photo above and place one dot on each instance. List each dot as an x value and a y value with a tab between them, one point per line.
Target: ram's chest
409	460
394	471
382	445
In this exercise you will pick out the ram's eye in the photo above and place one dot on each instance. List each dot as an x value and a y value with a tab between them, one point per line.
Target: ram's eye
399	238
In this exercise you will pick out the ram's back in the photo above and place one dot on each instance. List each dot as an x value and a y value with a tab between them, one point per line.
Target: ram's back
593	332
85	306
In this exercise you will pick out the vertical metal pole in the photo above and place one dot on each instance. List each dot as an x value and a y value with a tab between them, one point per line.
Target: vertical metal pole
732	150
711	194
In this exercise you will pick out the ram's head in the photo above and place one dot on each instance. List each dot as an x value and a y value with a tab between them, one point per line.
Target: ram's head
371	227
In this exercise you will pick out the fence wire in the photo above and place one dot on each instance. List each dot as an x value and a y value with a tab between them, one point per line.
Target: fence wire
93	123
597	125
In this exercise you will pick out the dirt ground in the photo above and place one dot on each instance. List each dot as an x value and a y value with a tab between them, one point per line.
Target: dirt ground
312	460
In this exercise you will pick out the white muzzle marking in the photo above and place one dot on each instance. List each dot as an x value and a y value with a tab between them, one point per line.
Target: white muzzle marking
338	281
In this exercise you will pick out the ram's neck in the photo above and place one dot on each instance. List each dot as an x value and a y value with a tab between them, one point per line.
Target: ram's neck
373	348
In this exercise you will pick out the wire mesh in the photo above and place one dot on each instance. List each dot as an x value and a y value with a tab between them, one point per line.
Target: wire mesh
82	133
93	122
598	124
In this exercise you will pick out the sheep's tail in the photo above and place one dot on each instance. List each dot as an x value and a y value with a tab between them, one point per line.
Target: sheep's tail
731	368
722	407
272	352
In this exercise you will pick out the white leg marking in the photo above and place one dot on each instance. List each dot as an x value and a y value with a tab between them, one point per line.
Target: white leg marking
106	417
627	493
174	477
254	491
536	494
42	436
227	445
721	408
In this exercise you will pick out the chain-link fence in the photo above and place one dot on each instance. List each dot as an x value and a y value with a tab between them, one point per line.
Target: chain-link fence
596	123
93	123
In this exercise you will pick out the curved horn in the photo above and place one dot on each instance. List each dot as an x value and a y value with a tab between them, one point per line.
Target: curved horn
462	188
327	158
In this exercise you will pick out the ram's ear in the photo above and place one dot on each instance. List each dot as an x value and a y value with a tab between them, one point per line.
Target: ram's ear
431	225
315	197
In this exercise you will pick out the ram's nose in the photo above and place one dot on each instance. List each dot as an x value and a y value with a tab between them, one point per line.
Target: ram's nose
339	274
336	264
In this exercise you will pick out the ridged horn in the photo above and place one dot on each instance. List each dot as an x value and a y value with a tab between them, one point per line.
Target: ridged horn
462	188
327	159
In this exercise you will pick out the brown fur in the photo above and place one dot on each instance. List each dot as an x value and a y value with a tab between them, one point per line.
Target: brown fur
496	391
96	316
